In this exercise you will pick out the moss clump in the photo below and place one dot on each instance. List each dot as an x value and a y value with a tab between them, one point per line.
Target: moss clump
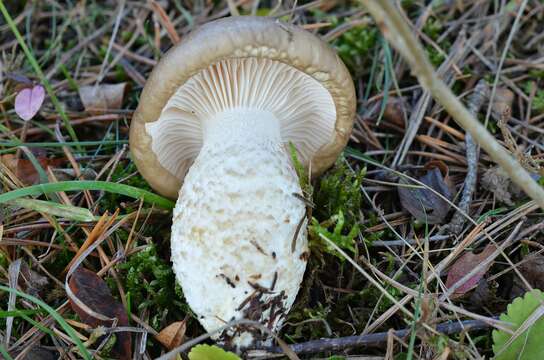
339	191
538	102
111	201
433	28
355	44
150	283
337	207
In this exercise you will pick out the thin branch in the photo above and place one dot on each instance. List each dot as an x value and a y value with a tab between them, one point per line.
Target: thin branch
473	153
397	31
376	339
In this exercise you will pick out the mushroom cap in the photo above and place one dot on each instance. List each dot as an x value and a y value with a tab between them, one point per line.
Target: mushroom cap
238	38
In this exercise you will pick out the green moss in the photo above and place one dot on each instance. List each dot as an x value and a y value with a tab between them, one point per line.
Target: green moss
537	74
433	28
335	230
4	263
538	102
150	283
373	220
356	44
339	190
435	57
372	296
61	259
537	105
337	207
302	173
110	201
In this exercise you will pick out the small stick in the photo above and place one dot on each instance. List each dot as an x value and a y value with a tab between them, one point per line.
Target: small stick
376	339
473	153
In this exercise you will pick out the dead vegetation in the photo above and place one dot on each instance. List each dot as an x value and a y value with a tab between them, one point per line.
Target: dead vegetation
419	241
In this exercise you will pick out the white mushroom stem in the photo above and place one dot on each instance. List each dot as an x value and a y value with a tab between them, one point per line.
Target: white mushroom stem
234	223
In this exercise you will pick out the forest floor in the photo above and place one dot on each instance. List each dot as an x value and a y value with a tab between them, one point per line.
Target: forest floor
419	241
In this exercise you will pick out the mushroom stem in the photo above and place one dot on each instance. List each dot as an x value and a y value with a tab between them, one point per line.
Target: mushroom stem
234	224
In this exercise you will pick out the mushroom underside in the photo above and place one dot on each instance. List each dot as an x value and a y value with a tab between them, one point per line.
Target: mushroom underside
304	108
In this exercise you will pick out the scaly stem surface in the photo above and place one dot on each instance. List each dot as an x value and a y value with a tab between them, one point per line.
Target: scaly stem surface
234	223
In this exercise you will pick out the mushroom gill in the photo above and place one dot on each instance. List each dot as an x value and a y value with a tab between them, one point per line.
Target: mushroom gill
304	108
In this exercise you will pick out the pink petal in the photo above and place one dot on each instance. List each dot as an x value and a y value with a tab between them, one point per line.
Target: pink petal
28	102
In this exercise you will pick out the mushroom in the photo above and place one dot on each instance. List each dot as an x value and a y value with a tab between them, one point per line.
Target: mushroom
214	122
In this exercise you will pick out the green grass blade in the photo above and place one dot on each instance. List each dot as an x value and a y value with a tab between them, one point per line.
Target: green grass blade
121	189
52	208
38	325
5	353
55	315
17	312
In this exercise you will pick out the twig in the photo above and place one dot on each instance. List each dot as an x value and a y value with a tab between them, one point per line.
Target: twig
376	339
403	242
473	153
102	72
505	52
395	29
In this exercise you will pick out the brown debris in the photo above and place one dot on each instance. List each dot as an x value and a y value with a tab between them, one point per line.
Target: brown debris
173	335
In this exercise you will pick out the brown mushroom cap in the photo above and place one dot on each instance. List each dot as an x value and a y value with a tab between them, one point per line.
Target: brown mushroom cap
231	38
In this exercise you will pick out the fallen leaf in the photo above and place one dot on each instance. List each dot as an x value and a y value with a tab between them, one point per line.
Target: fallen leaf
466	264
29	101
482	295
173	335
95	294
394	111
423	203
25	170
31	281
532	269
102	97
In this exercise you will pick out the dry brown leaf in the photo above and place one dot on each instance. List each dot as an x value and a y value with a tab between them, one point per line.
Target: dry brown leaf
424	204
31	281
466	264
95	294
532	269
102	97
173	335
394	111
25	170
